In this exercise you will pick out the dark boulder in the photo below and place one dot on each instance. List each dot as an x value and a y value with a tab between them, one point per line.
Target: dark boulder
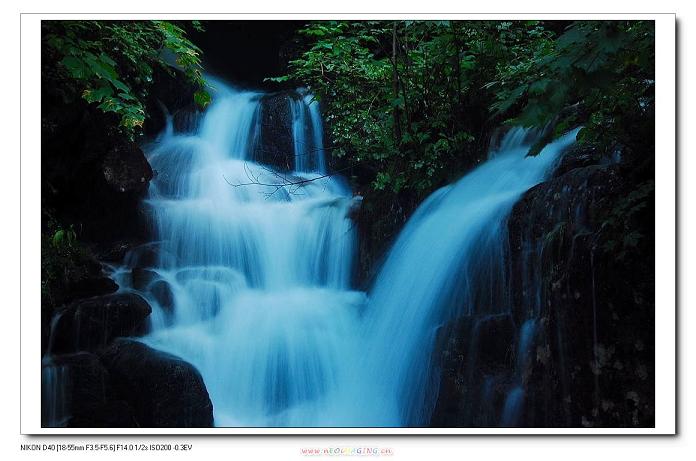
125	169
110	414
70	383
163	390
275	144
577	157
77	393
149	255
379	219
91	285
162	292
72	273
496	343
141	278
93	323
115	252
68	273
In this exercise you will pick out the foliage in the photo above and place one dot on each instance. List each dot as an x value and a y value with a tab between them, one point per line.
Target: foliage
404	99
64	237
413	102
111	63
62	256
343	72
603	70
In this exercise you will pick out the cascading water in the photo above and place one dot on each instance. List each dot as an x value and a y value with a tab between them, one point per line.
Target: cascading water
448	261
251	280
54	398
307	135
258	273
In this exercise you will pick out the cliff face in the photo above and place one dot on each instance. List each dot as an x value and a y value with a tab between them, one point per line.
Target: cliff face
577	347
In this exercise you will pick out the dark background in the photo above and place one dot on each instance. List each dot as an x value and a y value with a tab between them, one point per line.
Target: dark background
246	52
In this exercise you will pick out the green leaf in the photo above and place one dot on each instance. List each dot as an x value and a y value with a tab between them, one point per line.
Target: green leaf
202	98
105	58
119	85
76	67
58	238
98	94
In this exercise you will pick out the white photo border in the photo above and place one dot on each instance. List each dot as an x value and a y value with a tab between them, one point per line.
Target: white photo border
665	229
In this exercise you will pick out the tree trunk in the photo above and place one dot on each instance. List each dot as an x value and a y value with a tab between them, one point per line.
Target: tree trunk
395	90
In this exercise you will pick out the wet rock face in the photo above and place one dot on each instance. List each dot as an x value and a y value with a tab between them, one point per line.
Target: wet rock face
583	246
582	272
92	377
478	368
82	277
141	278
86	394
171	92
161	291
127	384
126	170
93	323
578	157
163	390
275	145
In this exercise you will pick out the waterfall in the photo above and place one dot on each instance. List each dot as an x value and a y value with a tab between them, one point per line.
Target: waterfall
249	272
55	402
255	264
449	261
317	133
308	150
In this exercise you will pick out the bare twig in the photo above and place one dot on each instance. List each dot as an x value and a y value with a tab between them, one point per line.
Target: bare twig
290	185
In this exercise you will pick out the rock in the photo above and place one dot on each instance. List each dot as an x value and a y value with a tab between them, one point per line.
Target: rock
111	414
577	157
126	170
355	205
276	146
149	255
69	384
379	219
496	343
174	92
91	286
141	278
77	275
477	369
115	252
78	393
93	323
163	390
162	292
68	274
569	244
